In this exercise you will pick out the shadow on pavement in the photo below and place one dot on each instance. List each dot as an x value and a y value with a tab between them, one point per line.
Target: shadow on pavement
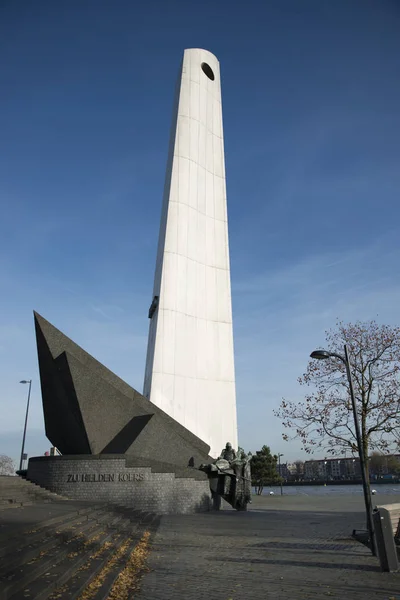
300	563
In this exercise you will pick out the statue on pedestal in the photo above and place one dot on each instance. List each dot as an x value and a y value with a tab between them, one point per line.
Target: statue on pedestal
230	477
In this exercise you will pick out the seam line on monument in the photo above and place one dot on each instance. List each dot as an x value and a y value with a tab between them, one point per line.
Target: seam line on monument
199	211
220	137
197	261
186	314
199	165
215	93
172	310
193	377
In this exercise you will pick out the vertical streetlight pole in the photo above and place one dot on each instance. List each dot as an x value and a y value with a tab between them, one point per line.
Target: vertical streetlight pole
363	463
280	474
26	422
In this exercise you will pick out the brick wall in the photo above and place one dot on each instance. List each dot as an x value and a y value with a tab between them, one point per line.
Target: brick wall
109	480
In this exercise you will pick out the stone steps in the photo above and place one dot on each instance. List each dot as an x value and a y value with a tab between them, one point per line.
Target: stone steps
17	580
38	536
16	492
14	504
35	491
104	568
61	556
23	553
19	531
115	569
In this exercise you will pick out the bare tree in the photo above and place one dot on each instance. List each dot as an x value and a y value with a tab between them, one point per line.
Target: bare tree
7	466
324	419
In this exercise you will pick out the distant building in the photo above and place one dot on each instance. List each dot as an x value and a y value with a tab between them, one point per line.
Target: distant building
291	471
384	464
283	470
332	469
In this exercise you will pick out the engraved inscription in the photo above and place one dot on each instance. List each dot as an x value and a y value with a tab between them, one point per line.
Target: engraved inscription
103	477
130	477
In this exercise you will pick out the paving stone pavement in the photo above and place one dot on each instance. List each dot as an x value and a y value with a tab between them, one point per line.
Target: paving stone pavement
301	552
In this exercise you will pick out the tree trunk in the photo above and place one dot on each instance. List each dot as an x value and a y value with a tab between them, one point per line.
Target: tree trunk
365	440
366	460
365	450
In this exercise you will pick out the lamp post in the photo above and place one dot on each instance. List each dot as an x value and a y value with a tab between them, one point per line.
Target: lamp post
280	474
26	421
323	355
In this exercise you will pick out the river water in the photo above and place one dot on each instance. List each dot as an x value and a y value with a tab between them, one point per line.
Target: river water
333	490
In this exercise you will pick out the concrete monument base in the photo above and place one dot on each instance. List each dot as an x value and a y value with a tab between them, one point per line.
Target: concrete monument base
124	481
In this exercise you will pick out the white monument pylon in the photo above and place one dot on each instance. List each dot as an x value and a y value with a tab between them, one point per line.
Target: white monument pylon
190	370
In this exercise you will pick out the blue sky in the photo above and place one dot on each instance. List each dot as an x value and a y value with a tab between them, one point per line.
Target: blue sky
311	97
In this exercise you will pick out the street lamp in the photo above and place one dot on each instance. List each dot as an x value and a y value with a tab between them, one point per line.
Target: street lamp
280	474
322	355
26	421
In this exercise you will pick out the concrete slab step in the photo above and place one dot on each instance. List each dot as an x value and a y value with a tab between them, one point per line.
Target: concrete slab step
78	563
13	504
113	570
105	567
115	521
17	488
58	573
24	487
72	588
18	528
16	484
132	515
9	499
27	548
68	549
4	494
11	493
34	498
30	552
16	581
25	500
